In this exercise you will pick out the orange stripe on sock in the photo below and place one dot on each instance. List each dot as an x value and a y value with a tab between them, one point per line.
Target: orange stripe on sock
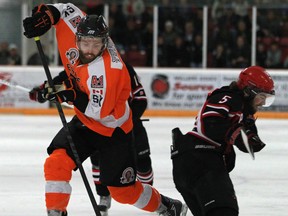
57	201
154	202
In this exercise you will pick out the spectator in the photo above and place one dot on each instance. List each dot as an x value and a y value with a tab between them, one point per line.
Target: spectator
240	53
132	35
35	59
196	54
261	55
274	55
242	30
285	65
189	33
94	6
169	33
133	8
14	56
147	40
179	55
219	57
240	7
118	33
269	24
218	8
115	11
162	52
4	53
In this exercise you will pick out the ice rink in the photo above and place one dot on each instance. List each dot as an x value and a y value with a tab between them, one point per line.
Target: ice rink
261	185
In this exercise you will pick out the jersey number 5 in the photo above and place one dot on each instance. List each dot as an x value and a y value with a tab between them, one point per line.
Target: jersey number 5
224	99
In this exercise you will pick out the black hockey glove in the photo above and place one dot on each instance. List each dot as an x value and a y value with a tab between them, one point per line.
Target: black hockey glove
64	92
253	140
39	23
38	94
232	135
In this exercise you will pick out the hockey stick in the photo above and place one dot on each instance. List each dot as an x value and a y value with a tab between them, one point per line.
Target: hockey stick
22	88
14	85
246	144
65	125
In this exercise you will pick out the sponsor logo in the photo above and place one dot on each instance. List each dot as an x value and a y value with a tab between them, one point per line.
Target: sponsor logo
160	86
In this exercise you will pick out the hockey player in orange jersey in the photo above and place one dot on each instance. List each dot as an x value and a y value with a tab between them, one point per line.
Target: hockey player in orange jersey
97	83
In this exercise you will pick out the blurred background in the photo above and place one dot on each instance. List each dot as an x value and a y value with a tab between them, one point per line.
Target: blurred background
167	33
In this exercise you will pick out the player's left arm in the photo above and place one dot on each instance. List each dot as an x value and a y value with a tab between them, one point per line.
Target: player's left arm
138	98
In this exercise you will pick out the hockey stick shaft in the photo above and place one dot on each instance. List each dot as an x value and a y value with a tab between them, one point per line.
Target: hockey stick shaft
246	144
65	125
22	88
13	85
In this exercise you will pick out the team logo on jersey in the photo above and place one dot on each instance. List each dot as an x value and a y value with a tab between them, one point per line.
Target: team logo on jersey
72	55
128	176
97	82
75	21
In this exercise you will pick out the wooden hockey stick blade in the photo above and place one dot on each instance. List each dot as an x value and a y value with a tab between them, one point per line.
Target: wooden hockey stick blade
246	144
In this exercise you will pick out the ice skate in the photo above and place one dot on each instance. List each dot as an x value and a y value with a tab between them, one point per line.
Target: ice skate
56	213
104	205
172	207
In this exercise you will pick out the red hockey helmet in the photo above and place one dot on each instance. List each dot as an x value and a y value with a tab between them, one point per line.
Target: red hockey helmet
257	80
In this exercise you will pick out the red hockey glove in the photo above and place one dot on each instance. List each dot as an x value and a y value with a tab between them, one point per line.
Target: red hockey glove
38	94
64	92
39	23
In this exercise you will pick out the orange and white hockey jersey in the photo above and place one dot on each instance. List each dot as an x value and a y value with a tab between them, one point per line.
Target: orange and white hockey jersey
105	80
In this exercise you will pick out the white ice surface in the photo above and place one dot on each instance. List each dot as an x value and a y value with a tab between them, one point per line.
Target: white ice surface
261	185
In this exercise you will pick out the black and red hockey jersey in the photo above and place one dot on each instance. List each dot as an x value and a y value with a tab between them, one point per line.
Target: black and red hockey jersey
222	111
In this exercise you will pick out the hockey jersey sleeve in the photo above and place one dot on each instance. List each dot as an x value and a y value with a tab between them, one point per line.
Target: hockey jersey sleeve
138	99
221	111
61	10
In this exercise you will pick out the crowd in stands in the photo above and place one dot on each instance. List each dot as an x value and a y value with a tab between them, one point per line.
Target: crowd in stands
180	38
9	54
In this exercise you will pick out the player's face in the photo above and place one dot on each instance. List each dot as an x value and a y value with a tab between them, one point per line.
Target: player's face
89	48
259	100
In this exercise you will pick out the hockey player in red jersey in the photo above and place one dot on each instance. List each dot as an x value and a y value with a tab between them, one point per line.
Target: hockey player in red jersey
138	104
97	83
203	157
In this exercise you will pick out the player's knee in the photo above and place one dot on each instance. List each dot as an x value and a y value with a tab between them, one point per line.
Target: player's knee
126	195
223	211
58	166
